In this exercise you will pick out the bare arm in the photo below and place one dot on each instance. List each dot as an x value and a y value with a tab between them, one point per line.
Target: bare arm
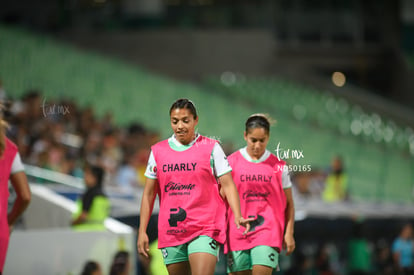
147	205
229	191
24	195
289	240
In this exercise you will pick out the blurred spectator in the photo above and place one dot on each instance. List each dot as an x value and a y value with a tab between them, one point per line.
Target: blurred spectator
87	121
91	268
92	147
127	176
56	157
120	264
143	155
383	260
301	265
111	154
402	250
94	207
336	182
60	136
133	136
309	184
108	122
323	263
71	166
359	251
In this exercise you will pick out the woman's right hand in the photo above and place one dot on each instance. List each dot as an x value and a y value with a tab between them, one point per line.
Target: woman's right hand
143	244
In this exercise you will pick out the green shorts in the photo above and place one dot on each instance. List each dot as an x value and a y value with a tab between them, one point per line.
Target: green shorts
246	259
179	253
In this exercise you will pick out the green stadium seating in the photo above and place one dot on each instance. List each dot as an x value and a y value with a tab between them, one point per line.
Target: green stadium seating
375	150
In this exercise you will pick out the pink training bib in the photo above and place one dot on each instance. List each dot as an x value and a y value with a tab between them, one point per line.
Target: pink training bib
190	203
6	162
261	197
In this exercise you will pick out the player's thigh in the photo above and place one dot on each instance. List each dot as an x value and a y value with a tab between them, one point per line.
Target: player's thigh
202	254
262	270
176	260
180	268
202	263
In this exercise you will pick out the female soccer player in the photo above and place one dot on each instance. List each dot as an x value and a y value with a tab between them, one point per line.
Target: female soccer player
183	170
265	195
11	168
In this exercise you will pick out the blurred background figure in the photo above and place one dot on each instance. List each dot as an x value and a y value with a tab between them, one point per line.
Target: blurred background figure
127	174
359	251
384	264
110	154
323	264
336	182
91	268
94	206
120	264
403	251
301	265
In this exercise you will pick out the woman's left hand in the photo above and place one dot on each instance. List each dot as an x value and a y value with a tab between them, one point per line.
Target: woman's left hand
289	244
243	222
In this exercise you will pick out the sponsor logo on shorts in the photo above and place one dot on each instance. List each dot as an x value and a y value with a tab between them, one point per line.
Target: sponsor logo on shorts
176	215
272	257
164	253
213	244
